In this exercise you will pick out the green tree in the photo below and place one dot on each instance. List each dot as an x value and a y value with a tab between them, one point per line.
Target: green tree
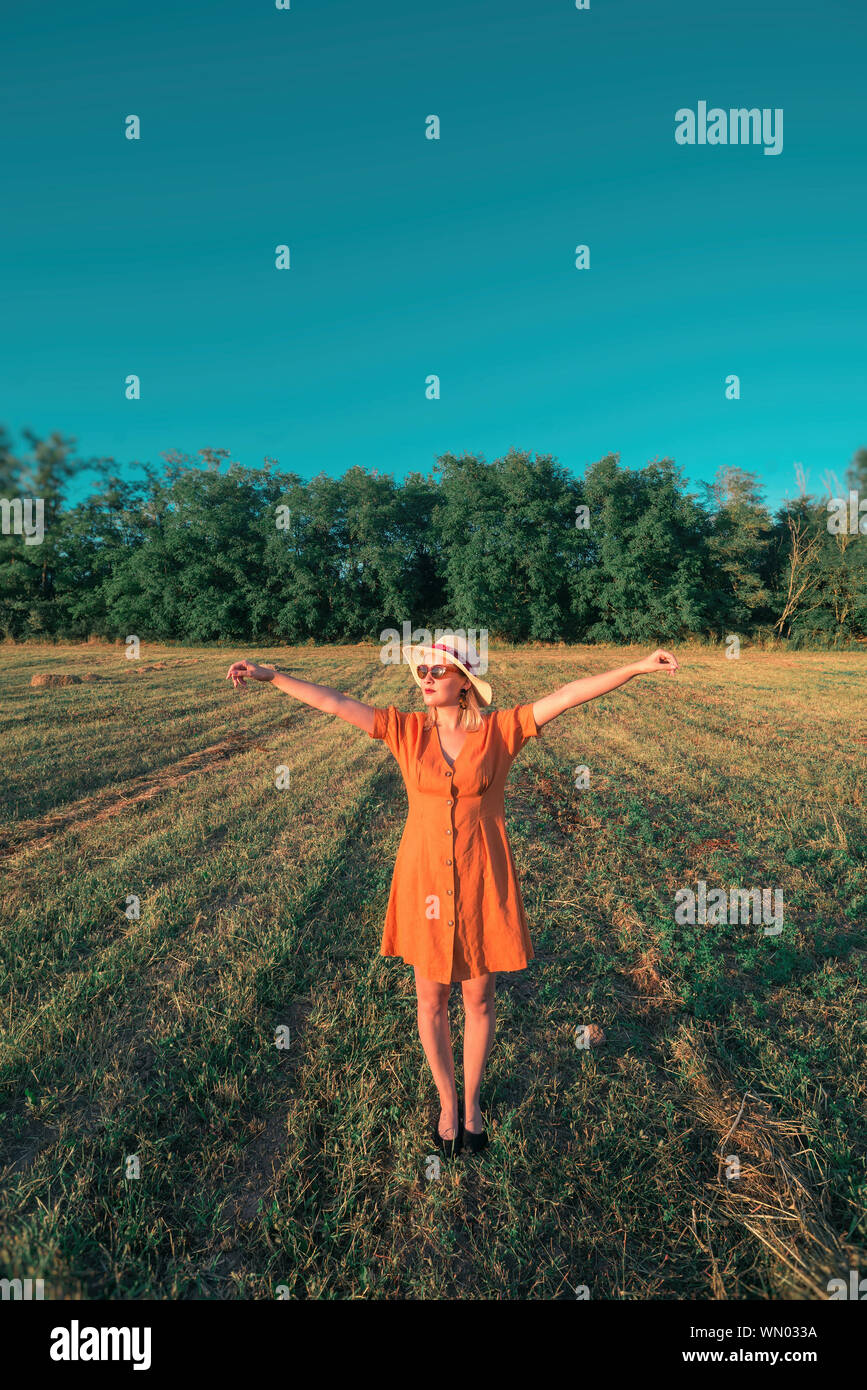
822	583
511	548
651	575
741	547
31	576
197	569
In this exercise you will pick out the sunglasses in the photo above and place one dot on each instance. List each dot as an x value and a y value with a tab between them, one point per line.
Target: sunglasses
436	671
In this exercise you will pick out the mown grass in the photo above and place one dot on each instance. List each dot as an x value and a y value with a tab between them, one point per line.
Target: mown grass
305	1167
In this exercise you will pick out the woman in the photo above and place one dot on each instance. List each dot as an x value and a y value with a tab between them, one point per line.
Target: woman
455	911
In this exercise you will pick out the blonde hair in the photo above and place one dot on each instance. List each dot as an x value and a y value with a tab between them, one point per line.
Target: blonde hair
470	718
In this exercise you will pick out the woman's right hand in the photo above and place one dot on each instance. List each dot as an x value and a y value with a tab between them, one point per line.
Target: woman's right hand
241	671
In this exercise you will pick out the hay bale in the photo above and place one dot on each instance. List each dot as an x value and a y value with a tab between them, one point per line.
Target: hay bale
49	678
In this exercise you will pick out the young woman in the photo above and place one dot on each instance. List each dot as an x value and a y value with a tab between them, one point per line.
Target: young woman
455	911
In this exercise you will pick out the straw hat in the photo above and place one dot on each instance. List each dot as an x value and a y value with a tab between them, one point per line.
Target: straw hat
451	650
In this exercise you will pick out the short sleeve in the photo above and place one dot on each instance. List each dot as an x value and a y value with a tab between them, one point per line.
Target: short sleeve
380	722
389	725
516	726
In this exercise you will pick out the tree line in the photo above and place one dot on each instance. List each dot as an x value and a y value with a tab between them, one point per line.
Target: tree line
210	551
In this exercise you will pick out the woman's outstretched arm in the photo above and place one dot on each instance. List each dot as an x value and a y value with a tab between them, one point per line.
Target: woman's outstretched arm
321	697
578	692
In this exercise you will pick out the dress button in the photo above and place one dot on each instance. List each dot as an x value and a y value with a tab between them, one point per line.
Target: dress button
449	891
451	923
448	803
448	861
448	832
448	774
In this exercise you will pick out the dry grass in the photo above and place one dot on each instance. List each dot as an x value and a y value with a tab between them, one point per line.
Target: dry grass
154	1034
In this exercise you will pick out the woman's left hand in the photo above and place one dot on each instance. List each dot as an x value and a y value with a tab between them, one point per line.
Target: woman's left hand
660	660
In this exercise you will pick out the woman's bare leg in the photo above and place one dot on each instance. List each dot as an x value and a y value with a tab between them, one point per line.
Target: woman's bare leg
479	1024
433	1029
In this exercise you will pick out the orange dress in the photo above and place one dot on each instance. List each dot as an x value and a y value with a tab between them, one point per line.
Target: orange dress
455	909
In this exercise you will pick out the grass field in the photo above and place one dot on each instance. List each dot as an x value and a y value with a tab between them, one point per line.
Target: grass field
304	1167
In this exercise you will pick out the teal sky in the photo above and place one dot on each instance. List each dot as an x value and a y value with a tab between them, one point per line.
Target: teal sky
455	257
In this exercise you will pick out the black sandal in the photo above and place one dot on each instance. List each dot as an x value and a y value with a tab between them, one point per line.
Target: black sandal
449	1147
474	1142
